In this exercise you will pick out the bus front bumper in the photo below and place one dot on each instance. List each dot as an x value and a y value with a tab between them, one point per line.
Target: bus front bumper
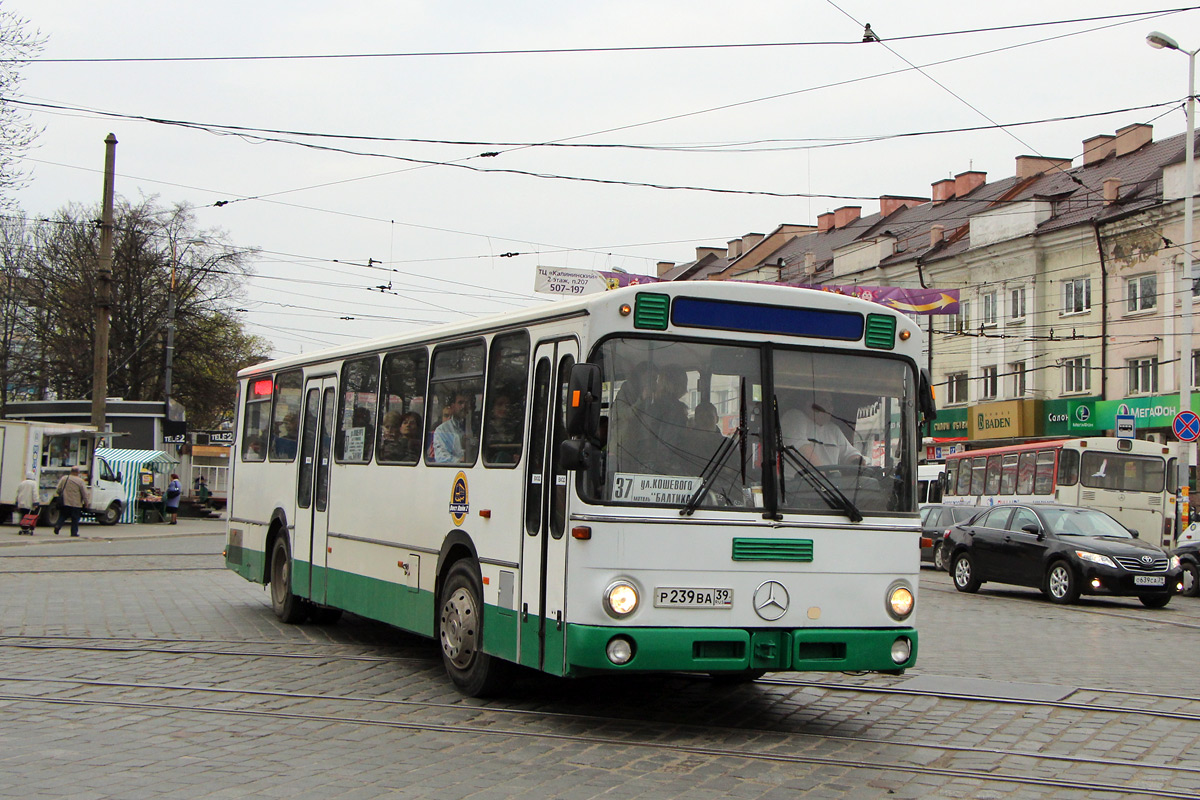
737	650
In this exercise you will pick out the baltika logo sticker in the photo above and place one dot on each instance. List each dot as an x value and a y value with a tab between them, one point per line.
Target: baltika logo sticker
459	499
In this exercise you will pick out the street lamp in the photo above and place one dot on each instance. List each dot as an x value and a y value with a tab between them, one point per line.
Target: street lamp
1160	41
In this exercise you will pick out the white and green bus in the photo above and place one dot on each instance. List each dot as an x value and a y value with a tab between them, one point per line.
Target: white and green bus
617	483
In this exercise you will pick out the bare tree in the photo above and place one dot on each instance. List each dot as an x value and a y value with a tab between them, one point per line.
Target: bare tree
17	45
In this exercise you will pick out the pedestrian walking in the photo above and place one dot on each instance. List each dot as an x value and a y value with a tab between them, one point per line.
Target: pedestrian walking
174	490
27	502
202	490
73	497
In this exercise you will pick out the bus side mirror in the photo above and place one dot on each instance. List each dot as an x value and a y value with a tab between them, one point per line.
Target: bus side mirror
583	401
925	402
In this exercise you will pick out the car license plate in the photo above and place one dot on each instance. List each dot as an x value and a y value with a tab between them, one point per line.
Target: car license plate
677	597
1149	580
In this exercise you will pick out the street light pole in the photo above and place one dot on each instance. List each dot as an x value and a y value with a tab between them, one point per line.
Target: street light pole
1162	41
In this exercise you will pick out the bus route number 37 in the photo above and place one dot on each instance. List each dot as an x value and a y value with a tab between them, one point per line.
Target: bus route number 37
676	597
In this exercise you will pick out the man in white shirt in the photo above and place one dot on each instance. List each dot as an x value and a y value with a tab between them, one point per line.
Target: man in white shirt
816	435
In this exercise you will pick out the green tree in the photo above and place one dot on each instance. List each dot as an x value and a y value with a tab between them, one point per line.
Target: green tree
155	248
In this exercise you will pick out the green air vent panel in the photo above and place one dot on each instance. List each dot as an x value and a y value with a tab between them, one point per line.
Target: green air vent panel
651	311
773	550
881	331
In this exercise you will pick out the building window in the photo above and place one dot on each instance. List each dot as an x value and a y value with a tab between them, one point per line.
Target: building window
1016	304
1077	375
1195	366
962	322
991	311
1141	293
956	388
991	381
1017	370
1143	375
1077	295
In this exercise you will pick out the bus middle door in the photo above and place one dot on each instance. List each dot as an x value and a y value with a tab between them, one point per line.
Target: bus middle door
312	487
544	544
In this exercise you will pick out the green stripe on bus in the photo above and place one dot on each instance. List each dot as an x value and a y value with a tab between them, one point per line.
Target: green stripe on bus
745	549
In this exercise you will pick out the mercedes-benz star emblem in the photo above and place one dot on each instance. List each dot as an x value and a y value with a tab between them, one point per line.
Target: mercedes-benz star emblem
771	601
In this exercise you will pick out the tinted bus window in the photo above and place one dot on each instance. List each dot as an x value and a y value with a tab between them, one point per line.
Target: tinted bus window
1025	470
455	411
402	407
508	374
978	473
356	411
964	477
256	418
285	416
1008	475
1068	467
1043	480
992	485
951	476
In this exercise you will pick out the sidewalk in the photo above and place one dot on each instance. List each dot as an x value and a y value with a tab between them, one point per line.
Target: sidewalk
188	526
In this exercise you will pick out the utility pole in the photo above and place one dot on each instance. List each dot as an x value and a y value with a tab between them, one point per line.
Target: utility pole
104	288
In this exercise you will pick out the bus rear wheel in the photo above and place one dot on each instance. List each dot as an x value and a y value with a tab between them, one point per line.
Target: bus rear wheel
460	633
287	606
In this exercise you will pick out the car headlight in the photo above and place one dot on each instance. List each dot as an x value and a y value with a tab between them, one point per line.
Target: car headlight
620	599
1174	563
900	601
1096	558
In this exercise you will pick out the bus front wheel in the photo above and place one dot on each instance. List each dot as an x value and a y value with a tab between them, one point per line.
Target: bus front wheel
460	633
287	606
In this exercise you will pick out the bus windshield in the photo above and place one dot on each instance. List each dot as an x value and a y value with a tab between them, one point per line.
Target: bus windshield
1122	472
686	427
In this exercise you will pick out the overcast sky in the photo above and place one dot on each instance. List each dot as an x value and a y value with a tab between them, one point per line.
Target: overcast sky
748	119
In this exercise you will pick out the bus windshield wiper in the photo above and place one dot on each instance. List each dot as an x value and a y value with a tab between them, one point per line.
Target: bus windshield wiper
828	490
714	465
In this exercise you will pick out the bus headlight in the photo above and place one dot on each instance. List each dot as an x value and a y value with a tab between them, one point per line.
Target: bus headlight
901	650
620	599
900	601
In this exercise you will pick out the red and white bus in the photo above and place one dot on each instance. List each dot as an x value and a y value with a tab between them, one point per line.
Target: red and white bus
1130	479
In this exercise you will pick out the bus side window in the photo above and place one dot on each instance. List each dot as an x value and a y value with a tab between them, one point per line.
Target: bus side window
402	407
978	474
964	477
1043	481
285	416
1025	471
257	418
951	477
1068	467
992	485
455	407
356	411
504	417
1008	476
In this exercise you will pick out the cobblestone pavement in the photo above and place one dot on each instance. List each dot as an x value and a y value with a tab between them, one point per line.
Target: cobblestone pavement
133	665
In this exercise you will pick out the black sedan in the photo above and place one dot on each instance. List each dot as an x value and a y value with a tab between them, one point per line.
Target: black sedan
936	518
1063	550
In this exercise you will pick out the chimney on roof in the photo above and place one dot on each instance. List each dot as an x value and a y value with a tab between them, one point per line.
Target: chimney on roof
1098	148
1028	166
751	240
735	248
664	267
825	222
891	203
810	263
967	182
1131	137
936	234
943	190
845	215
701	252
1112	190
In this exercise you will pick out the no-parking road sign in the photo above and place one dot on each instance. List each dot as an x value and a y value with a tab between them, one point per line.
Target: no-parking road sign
1186	426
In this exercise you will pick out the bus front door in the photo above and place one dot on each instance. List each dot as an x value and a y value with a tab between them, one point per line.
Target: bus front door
544	543
310	542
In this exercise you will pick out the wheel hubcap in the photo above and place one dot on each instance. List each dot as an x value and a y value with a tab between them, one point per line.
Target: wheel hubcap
458	628
962	572
280	579
1059	580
